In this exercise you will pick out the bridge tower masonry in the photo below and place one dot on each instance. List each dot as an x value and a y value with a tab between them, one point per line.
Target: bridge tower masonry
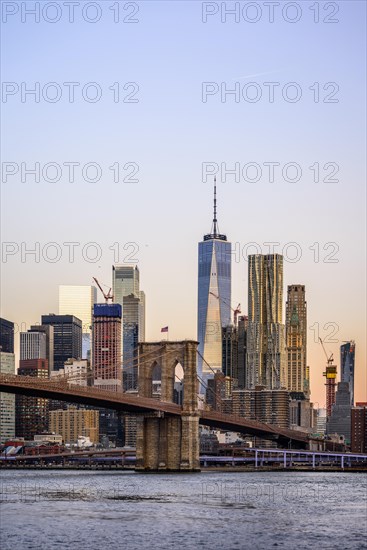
163	442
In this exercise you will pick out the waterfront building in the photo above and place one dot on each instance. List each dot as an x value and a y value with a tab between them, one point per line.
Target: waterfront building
74	423
359	428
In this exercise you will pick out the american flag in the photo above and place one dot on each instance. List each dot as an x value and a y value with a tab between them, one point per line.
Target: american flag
164	329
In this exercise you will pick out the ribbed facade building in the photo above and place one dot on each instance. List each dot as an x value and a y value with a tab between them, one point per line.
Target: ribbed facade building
266	357
32	345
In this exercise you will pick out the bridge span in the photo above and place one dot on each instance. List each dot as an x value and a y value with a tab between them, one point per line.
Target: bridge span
63	390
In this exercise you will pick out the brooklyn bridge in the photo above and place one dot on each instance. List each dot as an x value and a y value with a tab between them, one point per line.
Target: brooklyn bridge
167	433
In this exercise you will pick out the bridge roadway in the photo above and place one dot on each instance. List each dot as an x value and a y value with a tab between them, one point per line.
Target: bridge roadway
63	390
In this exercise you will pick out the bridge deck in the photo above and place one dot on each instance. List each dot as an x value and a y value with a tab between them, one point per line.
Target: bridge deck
125	402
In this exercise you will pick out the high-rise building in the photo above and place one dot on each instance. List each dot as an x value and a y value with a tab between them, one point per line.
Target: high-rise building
127	293
67	337
7	400
266	358
130	338
263	405
78	300
125	281
214	296
48	330
106	340
31	413
359	428
339	422
321	421
242	351
347	356
73	423
32	345
230	352
6	336
301	411
296	338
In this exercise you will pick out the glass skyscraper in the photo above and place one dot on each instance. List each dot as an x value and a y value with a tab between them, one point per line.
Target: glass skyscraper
67	337
214	297
127	293
347	355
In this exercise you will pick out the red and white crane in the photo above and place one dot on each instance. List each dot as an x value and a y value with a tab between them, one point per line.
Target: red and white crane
108	296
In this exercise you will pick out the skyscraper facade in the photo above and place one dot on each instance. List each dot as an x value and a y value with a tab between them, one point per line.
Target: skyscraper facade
67	337
6	336
296	339
7	400
339	420
214	297
230	353
127	293
242	351
130	338
266	358
48	330
106	339
31	413
78	300
347	357
32	345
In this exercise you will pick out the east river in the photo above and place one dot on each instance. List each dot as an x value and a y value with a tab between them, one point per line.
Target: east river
97	510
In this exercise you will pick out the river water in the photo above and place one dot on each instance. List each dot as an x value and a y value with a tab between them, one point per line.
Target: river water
208	510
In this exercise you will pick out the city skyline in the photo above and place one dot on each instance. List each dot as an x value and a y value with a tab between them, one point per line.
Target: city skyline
159	219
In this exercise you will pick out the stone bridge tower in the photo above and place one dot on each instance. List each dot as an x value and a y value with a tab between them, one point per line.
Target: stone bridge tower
166	442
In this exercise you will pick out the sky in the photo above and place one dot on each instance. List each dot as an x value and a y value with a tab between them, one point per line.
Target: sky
150	97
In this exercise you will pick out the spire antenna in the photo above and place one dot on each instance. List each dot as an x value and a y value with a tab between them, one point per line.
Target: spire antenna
215	207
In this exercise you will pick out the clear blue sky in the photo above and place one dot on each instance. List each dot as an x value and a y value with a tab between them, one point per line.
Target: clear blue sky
169	133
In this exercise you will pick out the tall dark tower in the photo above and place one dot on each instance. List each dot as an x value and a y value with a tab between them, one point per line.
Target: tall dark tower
214	296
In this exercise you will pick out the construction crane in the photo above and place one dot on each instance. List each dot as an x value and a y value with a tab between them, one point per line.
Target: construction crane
328	359
108	296
235	311
330	375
